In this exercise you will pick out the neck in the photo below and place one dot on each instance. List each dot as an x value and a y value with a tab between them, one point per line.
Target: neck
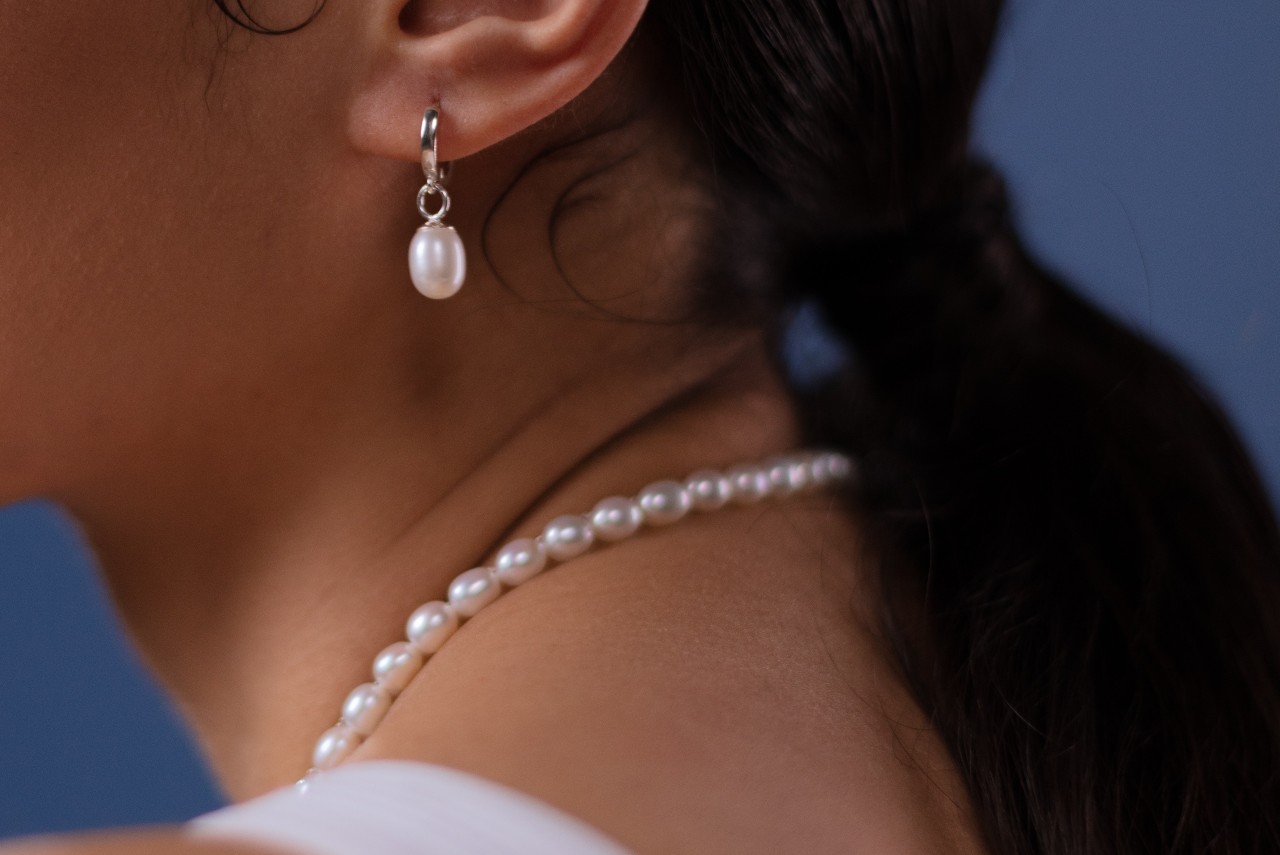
259	564
258	614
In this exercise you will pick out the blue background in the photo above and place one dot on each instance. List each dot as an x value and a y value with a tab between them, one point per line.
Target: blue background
1140	140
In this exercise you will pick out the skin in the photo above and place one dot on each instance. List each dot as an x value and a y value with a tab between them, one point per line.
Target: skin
212	356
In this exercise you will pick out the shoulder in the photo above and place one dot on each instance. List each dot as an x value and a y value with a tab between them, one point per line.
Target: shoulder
702	691
707	692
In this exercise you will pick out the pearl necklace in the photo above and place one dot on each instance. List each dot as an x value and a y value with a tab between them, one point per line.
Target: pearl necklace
565	537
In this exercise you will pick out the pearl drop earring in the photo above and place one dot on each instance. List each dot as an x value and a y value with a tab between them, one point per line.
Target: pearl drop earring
437	261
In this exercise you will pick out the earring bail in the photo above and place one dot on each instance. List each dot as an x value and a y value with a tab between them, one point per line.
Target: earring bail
430	151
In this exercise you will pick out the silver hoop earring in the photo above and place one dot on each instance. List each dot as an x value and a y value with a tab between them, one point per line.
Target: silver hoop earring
437	261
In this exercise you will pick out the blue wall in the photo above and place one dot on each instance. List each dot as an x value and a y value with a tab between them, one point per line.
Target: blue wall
1141	143
86	740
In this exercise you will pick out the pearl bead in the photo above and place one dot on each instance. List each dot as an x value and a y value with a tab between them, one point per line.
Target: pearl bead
431	625
819	474
567	536
616	518
519	561
839	465
334	746
664	502
437	262
786	475
709	489
396	666
750	484
365	707
471	591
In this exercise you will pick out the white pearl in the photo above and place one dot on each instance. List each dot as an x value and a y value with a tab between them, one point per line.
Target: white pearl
819	474
431	625
437	261
616	518
519	561
839	465
365	707
750	484
567	536
396	666
664	502
709	489
471	591
801	474
786	475
334	746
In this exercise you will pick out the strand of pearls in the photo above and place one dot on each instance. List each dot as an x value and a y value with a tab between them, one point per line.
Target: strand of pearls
565	537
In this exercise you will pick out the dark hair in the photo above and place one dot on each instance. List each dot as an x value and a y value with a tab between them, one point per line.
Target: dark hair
1081	569
242	17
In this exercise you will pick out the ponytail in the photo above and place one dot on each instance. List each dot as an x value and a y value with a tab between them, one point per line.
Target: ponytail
1080	567
1086	542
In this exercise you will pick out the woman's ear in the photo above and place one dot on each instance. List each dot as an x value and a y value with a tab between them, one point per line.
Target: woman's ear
494	67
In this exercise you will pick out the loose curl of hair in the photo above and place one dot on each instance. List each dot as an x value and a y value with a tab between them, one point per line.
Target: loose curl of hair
1081	567
243	18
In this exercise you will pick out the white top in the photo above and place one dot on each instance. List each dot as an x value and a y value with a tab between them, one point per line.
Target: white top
402	807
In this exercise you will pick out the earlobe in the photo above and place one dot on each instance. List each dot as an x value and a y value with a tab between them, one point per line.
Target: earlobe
493	68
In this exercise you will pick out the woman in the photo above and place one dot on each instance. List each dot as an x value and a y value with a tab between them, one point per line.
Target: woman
1034	617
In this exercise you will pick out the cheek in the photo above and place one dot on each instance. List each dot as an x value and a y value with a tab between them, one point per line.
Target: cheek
161	230
78	83
99	104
